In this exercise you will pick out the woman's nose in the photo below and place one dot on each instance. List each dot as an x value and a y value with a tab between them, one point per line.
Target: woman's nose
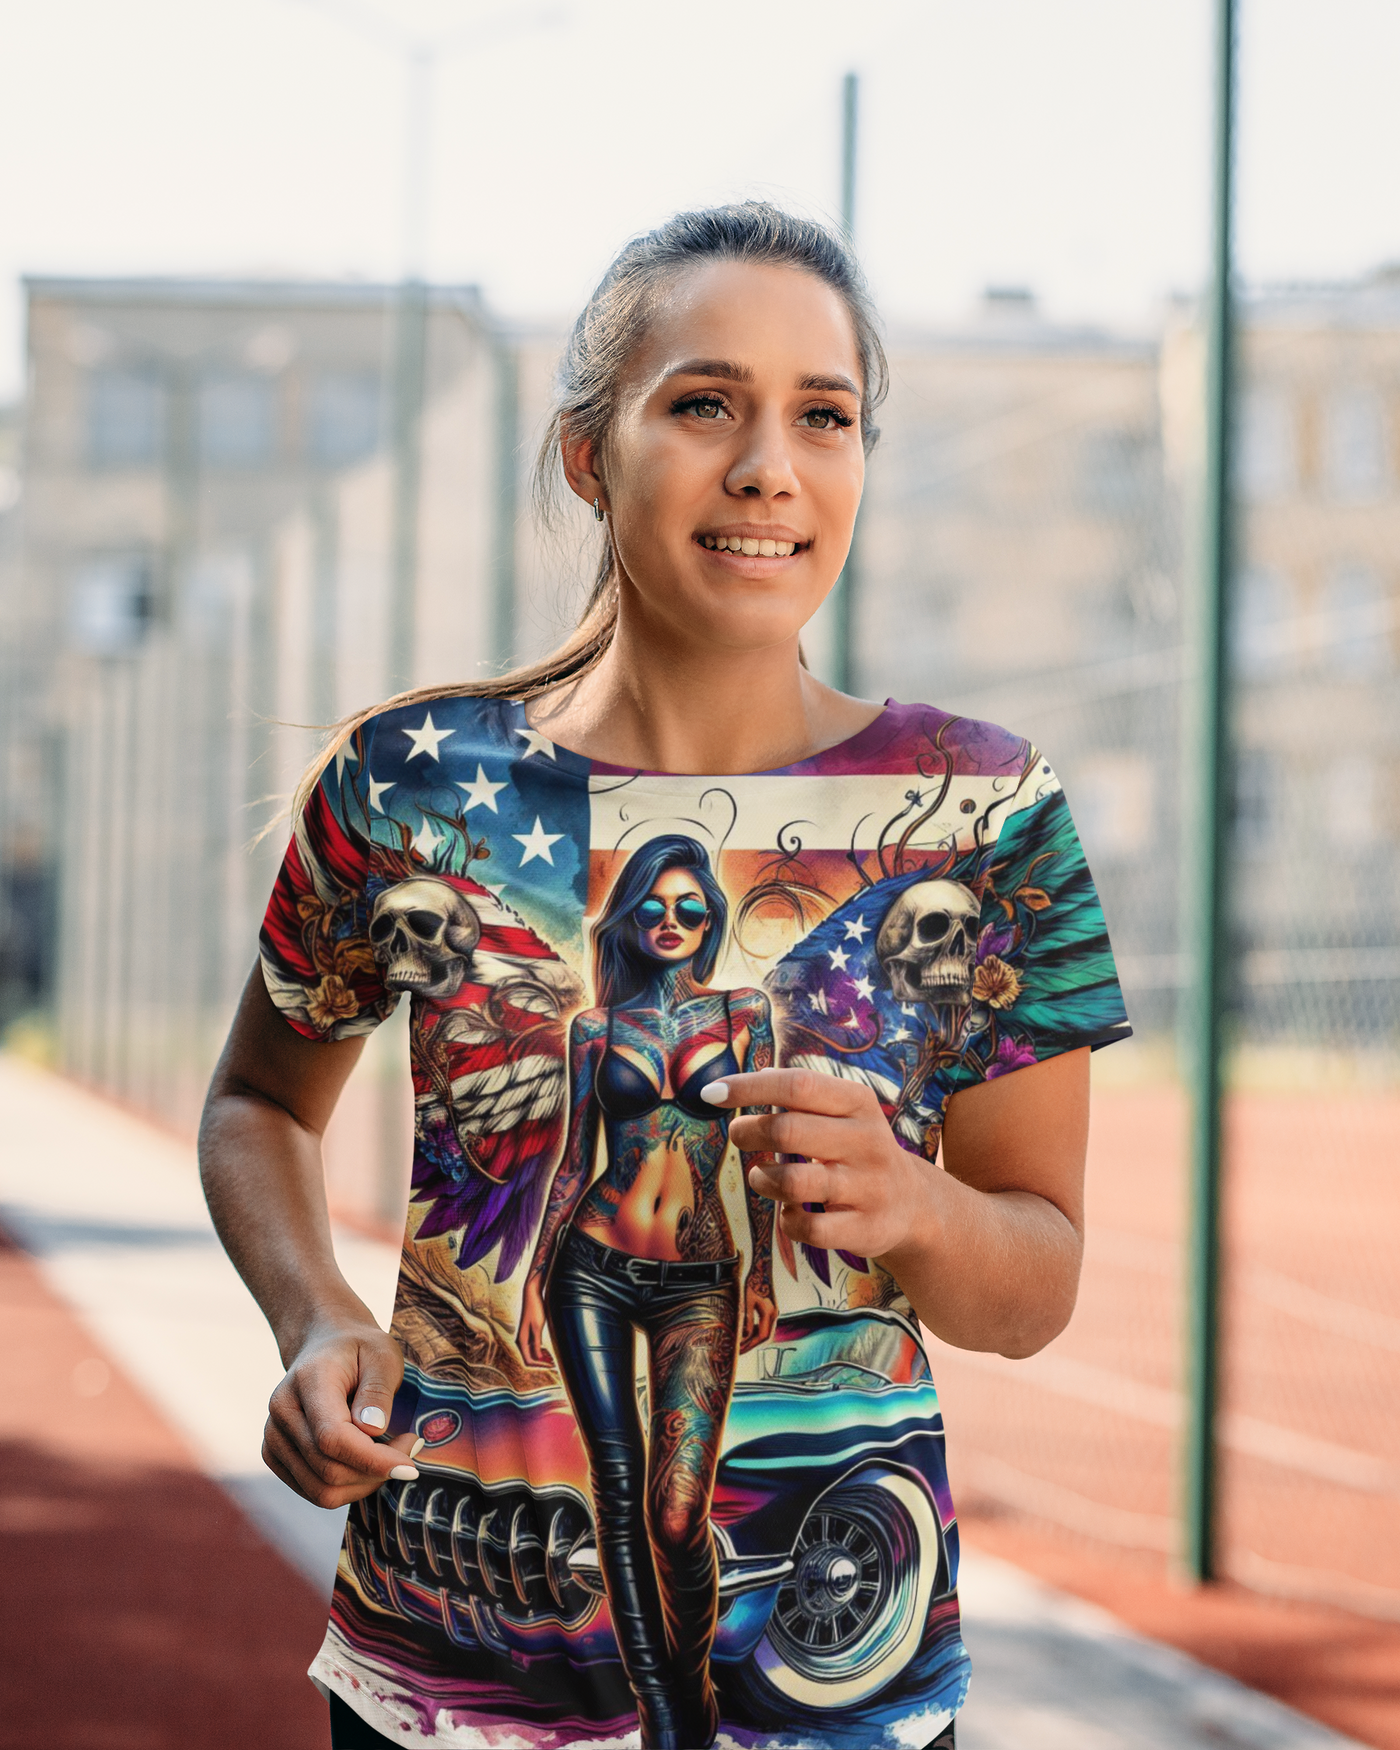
764	468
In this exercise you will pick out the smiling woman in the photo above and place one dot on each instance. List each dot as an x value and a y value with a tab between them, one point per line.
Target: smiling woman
830	1081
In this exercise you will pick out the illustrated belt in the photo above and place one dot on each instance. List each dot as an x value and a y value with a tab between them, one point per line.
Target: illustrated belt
650	1272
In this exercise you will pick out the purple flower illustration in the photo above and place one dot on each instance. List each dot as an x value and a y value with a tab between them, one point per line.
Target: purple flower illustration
1010	1054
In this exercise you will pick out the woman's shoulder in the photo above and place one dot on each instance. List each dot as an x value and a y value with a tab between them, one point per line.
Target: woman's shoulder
916	739
432	716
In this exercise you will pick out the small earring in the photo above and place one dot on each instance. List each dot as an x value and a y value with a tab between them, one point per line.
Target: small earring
597	510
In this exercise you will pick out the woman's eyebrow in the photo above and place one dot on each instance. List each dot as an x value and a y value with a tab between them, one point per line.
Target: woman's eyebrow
832	385
726	368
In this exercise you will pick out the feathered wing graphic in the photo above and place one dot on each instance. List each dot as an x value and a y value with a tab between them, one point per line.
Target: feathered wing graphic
490	1087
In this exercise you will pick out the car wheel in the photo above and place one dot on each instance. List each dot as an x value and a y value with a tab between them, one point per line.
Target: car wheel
852	1614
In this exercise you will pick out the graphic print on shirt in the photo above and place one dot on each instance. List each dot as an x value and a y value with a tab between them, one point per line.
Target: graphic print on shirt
679	1476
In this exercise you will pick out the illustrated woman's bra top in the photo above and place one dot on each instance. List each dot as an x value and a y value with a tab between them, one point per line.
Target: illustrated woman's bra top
625	1091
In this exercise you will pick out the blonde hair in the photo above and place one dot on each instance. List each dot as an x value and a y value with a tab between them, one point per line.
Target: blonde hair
587	394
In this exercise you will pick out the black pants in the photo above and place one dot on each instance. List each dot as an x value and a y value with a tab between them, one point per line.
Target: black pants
349	1732
651	1492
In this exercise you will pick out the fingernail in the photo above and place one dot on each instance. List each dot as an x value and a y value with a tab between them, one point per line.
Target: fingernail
417	1447
716	1093
373	1415
404	1473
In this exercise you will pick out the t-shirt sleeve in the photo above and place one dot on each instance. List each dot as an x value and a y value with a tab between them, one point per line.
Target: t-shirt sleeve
1044	981
317	960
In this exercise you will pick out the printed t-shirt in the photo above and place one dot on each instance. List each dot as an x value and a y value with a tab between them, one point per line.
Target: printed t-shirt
584	947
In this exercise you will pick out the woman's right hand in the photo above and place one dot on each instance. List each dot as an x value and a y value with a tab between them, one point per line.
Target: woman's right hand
337	1394
533	1325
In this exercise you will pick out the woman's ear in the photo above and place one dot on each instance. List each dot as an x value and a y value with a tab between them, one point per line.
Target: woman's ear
580	459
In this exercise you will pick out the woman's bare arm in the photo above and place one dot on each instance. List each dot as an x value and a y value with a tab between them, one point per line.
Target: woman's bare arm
988	1251
270	1100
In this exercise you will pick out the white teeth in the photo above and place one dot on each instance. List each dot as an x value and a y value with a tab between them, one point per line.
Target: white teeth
754	548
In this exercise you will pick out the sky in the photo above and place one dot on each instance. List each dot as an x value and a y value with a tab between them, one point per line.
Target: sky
1061	145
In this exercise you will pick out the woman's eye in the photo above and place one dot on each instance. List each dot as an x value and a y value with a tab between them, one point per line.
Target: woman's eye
707	408
824	418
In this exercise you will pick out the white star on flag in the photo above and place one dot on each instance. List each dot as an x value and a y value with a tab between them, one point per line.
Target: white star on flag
838	958
907	1009
899	1035
425	738
865	989
537	842
538	743
852	1020
425	841
856	930
376	790
496	887
481	791
819	1002
343	754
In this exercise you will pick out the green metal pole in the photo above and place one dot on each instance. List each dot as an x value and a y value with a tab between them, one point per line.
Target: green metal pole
410	359
1210	914
507	508
843	595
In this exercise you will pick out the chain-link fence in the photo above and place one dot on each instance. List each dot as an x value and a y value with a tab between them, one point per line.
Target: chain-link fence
214	533
1032	519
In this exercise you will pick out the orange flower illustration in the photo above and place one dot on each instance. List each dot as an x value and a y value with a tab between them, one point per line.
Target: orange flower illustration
331	1001
995	983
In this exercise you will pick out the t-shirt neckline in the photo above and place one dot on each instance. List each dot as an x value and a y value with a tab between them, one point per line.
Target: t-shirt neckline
838	750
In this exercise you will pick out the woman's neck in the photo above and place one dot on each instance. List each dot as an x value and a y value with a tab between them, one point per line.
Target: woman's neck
667	986
701	711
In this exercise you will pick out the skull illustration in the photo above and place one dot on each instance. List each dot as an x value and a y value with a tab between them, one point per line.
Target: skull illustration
926	943
422	932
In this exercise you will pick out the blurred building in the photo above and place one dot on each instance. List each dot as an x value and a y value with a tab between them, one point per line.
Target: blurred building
1318	655
1021	560
248	508
243	503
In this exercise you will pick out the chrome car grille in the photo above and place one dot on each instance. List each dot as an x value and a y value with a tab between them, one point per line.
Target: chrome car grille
447	1548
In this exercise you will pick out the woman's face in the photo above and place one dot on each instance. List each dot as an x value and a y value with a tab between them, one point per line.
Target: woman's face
671	921
739	424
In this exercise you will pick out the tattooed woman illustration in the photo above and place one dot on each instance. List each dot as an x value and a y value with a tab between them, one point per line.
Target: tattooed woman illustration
646	1246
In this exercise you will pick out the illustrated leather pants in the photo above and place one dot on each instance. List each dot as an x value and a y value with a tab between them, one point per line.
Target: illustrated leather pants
651	1496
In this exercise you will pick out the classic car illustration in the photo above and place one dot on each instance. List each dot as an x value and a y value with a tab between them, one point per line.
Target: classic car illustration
831	1516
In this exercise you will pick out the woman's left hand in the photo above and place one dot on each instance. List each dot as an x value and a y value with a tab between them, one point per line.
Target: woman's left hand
875	1196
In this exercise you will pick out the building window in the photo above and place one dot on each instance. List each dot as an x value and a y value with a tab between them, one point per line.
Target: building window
1267	623
1266	444
236	420
343	417
1355	463
1114	803
1351	801
1355	632
111	604
1257	801
126	419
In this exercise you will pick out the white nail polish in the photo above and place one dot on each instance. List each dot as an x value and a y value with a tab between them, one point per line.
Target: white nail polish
403	1473
372	1416
417	1447
715	1092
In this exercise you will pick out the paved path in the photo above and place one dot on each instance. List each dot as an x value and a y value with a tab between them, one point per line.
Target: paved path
111	1209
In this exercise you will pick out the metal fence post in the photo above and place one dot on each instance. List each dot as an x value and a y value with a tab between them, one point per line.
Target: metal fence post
503	569
1210	913
844	592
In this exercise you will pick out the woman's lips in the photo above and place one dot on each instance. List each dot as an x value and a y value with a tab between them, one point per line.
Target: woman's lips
667	940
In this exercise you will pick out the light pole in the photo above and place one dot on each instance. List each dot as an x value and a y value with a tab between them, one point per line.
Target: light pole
843	596
1209	916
